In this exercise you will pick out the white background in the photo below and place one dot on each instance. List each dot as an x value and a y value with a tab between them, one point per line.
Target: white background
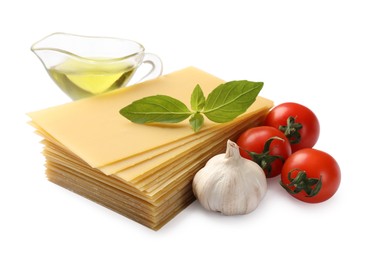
311	52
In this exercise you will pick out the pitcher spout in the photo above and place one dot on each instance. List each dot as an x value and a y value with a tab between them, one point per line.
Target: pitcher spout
51	50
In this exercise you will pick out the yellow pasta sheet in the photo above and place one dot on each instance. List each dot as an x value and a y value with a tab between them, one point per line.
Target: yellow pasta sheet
93	130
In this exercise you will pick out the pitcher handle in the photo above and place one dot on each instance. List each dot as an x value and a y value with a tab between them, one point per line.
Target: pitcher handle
156	66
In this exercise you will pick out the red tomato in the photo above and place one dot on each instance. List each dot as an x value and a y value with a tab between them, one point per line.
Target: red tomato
311	175
297	122
270	154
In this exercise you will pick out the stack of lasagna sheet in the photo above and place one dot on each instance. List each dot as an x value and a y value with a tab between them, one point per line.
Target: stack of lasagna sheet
143	172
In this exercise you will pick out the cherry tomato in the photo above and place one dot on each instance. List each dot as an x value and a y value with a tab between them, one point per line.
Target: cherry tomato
311	175
299	124
266	146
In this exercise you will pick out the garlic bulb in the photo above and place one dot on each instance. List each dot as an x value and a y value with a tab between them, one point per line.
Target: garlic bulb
229	183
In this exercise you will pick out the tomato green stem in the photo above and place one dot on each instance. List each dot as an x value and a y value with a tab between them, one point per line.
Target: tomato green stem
291	130
265	159
311	186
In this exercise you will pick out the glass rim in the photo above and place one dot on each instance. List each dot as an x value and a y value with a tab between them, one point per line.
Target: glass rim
34	47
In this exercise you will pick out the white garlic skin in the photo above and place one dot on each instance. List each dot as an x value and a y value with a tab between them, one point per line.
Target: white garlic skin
229	183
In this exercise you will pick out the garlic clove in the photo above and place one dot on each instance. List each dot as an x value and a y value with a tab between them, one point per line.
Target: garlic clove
229	183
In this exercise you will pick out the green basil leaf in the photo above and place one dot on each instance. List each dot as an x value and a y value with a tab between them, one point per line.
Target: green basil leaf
223	104
197	100
231	99
196	121
156	109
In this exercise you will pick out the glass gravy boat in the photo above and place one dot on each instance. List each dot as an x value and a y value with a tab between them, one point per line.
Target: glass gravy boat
84	66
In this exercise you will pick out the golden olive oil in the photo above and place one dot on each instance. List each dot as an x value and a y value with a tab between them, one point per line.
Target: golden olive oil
81	79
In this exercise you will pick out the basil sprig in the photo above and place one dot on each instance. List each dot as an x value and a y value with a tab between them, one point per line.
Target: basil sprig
223	104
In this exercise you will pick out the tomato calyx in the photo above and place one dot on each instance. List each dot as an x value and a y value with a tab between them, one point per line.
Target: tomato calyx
291	130
264	159
311	186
